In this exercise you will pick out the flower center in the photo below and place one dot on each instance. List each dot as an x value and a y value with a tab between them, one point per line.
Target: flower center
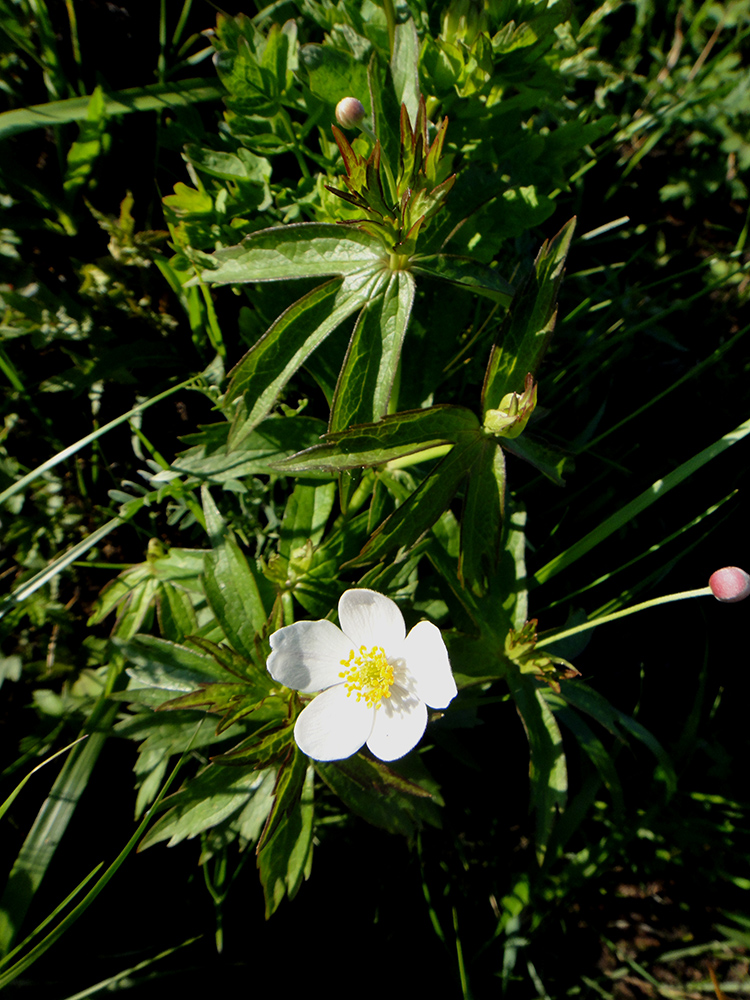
368	675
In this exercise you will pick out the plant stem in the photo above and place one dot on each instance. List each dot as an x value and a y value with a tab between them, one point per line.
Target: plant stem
682	595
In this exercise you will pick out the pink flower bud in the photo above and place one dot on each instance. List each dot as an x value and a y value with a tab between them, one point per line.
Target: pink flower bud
349	112
730	584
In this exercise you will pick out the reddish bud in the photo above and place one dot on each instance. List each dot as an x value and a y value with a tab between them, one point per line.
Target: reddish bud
349	112
730	584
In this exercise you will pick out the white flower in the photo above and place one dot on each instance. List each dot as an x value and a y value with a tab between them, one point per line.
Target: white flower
375	680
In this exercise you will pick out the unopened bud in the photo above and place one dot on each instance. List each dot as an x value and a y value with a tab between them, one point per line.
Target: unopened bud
349	112
730	584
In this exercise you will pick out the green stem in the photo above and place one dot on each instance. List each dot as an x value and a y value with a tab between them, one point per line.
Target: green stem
682	595
425	455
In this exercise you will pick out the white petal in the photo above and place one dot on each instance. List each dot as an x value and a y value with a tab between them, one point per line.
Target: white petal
307	656
399	725
371	619
427	662
333	726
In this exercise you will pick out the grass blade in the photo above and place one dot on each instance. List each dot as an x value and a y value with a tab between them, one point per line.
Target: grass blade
640	503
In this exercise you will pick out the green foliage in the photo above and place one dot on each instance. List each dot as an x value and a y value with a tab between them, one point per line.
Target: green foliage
383	305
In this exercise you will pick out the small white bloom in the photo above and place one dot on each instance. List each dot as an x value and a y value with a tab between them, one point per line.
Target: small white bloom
375	680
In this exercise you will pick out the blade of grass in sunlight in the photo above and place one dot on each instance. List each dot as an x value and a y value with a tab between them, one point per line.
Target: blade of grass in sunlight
61	456
11	798
50	916
656	547
644	500
50	825
31	956
58	565
111	983
150	98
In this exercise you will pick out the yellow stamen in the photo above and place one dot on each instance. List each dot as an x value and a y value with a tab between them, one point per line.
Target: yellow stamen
368	675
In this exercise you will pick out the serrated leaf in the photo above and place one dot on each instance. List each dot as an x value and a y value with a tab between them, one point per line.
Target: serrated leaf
276	438
376	793
527	328
366	379
233	593
168	665
233	701
262	748
592	746
175	612
213	796
300	250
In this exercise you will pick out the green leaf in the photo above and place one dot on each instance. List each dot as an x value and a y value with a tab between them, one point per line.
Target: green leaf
285	858
526	330
85	150
262	748
176	612
467	273
587	700
154	97
405	66
50	824
426	504
216	461
168	665
366	379
267	367
305	516
394	437
216	794
301	250
331	75
482	518
233	701
591	745
232	587
548	461
240	166
372	790
385	115
548	771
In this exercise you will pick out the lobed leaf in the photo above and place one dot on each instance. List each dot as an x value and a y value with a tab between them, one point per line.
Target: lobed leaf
267	367
367	375
394	437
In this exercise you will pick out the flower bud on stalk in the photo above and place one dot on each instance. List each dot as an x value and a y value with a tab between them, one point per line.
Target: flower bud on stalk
350	112
730	584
